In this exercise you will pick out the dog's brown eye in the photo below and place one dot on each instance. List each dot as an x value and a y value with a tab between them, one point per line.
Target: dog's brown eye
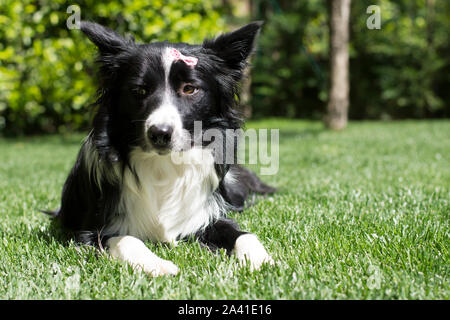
189	89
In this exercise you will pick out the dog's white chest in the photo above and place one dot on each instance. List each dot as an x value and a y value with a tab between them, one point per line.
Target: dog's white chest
174	196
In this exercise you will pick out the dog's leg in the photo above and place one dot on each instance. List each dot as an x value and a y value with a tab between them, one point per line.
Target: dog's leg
134	251
225	233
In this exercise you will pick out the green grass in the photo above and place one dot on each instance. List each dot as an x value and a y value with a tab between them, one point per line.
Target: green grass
361	214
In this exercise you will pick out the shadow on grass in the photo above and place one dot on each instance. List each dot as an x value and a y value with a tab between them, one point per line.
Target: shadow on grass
54	233
310	133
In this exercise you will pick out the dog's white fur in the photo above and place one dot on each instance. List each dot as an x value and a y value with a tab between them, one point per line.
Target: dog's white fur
167	60
170	200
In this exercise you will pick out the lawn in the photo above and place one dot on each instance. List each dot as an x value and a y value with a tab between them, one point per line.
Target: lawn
360	214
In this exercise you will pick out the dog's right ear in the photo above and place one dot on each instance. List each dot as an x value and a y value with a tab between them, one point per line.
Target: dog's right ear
106	40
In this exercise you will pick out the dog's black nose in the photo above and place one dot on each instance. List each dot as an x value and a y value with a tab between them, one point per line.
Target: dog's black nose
160	135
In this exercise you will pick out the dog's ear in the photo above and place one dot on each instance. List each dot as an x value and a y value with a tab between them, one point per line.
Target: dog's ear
106	40
235	47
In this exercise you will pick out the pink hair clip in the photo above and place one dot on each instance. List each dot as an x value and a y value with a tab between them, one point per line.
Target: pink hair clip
177	55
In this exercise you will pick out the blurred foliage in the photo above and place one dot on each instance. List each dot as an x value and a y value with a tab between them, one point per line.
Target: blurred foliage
399	71
288	70
47	81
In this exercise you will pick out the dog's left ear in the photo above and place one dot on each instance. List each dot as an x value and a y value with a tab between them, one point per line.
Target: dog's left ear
235	47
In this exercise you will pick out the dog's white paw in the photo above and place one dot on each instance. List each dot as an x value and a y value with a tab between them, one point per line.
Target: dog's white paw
134	251
250	251
161	268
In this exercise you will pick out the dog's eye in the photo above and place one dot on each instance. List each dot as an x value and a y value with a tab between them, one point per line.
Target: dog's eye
140	92
189	89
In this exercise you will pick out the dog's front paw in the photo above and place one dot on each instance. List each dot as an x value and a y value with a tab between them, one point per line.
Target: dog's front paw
162	267
134	251
250	251
156	267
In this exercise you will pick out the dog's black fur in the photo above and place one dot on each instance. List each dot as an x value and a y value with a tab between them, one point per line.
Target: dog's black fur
89	205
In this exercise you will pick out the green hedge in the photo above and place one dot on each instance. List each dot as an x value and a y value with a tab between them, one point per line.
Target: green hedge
46	70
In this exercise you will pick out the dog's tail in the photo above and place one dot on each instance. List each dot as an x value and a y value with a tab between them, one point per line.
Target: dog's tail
241	184
52	214
251	181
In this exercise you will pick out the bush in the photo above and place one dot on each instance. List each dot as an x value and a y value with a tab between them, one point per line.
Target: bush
290	68
47	81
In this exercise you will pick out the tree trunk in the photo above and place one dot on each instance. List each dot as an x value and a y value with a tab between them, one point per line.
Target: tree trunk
430	21
338	97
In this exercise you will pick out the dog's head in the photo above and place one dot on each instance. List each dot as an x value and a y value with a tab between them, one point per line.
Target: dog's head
151	94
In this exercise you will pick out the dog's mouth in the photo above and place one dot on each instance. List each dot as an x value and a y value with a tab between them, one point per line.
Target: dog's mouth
162	152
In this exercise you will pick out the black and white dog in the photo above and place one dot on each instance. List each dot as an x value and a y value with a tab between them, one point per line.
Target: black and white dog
125	186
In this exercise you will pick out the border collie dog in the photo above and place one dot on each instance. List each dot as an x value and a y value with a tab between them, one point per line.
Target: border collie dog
125	187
